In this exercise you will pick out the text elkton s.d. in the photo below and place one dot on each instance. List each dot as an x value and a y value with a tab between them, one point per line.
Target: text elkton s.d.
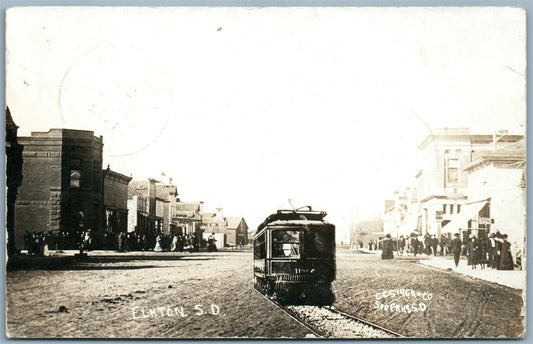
139	312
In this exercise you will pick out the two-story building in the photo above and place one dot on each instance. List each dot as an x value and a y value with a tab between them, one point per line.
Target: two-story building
115	217
188	218
142	207
443	180
167	194
497	181
62	186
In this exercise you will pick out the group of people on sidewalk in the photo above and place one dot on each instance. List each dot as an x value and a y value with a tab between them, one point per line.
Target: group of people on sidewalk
43	243
493	252
127	242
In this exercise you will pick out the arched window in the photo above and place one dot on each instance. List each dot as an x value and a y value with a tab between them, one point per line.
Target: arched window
75	178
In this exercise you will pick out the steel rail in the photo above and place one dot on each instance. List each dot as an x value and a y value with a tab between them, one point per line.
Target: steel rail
289	313
366	322
316	331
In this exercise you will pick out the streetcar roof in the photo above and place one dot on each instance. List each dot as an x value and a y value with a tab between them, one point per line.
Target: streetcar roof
300	223
291	224
297	217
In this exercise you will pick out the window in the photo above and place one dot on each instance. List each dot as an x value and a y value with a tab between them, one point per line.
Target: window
75	177
319	243
453	163
453	175
259	248
451	167
451	208
458	208
285	243
444	208
97	175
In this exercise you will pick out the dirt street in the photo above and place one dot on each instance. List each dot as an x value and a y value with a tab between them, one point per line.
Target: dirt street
456	306
107	297
211	295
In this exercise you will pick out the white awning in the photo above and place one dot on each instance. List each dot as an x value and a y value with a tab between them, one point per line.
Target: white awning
460	221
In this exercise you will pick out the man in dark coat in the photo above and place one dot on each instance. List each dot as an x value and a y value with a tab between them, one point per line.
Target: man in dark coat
434	244
456	249
387	248
401	244
427	244
443	245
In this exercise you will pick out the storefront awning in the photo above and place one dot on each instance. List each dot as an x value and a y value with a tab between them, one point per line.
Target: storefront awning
460	221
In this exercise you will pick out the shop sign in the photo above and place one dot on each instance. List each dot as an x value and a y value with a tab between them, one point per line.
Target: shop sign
485	221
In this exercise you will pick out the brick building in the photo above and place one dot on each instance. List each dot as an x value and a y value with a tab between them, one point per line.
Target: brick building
13	178
62	186
115	217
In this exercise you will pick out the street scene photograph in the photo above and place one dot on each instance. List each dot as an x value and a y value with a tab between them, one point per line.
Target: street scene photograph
273	172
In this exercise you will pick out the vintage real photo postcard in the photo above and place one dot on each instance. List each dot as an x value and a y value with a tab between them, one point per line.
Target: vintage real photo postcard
314	172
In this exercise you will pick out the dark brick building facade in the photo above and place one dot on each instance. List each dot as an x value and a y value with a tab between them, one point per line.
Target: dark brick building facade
115	201
13	178
62	187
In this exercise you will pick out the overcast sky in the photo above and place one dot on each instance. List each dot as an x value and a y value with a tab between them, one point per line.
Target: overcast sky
246	108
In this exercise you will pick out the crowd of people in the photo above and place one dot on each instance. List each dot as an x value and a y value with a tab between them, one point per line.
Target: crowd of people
126	242
492	252
42	243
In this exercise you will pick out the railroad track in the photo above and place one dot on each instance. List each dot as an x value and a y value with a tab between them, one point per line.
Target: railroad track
327	322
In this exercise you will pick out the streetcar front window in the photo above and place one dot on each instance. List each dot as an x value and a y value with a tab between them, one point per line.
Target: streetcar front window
319	243
285	244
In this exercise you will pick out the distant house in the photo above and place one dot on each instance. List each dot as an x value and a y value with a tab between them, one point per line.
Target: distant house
236	231
215	223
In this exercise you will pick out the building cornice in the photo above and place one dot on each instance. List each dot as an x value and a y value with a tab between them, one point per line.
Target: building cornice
495	157
429	198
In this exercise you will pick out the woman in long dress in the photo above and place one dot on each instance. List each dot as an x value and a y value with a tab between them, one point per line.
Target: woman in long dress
387	248
473	256
158	247
506	258
174	247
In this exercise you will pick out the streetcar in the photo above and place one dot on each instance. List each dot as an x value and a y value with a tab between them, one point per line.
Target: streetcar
294	257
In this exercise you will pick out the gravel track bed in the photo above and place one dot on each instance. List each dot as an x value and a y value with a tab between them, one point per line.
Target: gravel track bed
335	325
